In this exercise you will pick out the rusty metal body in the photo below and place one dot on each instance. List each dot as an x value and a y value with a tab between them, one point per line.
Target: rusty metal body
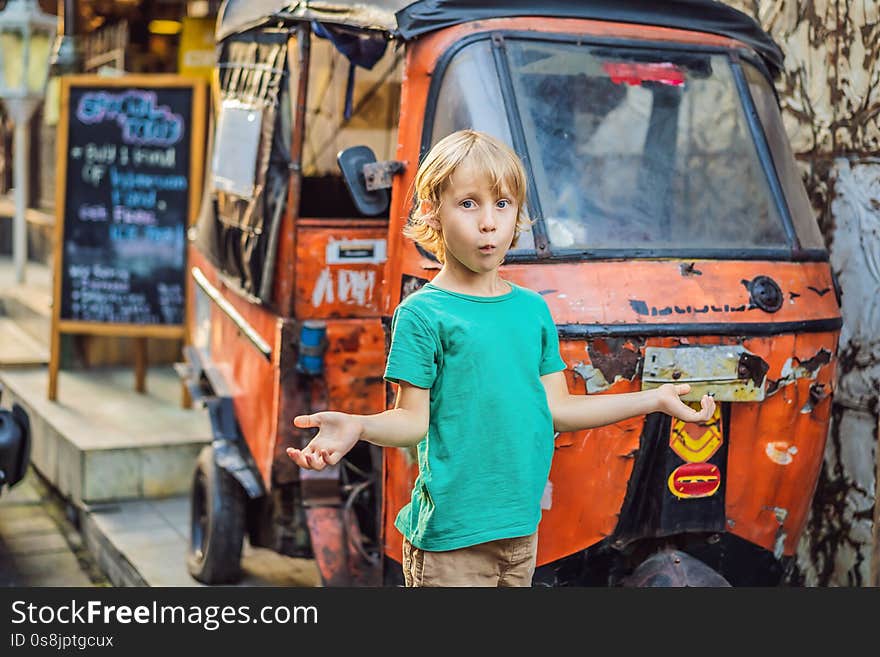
609	313
773	369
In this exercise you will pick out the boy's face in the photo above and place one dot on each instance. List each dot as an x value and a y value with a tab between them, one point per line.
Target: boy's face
477	223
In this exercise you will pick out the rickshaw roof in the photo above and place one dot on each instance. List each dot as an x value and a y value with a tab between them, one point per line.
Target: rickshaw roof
700	15
409	20
241	15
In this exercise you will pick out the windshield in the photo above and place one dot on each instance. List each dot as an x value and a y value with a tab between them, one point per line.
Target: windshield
629	148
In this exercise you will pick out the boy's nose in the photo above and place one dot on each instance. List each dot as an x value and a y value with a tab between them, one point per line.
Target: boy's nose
487	222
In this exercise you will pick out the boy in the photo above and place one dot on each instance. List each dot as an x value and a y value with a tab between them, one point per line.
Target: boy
480	383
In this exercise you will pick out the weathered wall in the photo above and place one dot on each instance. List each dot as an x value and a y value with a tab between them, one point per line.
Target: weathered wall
830	96
830	89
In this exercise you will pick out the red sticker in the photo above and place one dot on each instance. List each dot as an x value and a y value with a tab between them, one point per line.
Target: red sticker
695	480
633	73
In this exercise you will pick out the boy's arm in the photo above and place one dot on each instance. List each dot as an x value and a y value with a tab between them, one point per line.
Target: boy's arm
577	412
404	425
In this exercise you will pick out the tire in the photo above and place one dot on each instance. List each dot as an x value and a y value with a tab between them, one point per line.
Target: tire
217	523
673	568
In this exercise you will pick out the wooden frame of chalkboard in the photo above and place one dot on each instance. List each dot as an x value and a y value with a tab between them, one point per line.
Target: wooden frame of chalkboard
130	172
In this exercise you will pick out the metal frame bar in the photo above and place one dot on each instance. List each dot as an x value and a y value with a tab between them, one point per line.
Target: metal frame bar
581	331
229	310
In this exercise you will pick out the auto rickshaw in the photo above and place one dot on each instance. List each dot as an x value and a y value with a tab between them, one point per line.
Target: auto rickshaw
672	239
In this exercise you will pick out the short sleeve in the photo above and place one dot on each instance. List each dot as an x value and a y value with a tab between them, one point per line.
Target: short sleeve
551	361
413	354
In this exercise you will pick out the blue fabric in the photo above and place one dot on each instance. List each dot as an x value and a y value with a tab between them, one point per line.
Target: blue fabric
361	48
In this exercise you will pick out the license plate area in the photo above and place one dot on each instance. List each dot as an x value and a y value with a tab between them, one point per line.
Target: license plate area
728	372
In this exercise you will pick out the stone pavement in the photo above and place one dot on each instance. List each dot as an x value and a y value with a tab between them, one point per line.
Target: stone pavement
121	462
128	543
39	546
144	543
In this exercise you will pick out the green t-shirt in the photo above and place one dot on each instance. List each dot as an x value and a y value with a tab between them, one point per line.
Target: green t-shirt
484	462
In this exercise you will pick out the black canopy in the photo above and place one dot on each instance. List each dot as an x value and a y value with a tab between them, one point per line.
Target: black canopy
417	18
702	15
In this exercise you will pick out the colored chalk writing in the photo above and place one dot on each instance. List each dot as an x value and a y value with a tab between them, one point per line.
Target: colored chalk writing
126	204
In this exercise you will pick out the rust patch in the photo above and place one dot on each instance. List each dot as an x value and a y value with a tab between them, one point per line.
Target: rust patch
818	392
817	361
615	357
349	342
688	269
794	369
752	367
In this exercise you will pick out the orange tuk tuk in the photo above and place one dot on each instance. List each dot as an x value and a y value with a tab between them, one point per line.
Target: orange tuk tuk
672	239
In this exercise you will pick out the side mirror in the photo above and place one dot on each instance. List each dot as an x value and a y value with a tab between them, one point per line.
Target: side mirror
367	180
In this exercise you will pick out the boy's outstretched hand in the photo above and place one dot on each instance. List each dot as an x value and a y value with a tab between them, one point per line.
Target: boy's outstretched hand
337	434
669	402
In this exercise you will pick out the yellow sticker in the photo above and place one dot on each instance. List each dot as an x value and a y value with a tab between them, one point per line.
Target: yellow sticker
696	443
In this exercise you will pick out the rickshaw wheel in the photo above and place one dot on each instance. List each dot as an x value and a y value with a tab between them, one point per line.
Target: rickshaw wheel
673	568
217	523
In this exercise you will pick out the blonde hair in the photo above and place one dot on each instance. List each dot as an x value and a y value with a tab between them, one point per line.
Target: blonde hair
486	153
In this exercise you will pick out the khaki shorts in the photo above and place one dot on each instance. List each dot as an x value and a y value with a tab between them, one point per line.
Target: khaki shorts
505	562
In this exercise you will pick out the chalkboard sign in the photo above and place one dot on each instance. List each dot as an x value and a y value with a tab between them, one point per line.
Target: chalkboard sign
130	153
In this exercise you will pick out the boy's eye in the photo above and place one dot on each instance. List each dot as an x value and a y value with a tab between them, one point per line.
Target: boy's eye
503	203
467	204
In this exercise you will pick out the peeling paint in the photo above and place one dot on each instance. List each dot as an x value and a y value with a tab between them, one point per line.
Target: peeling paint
805	369
688	269
610	358
780	513
615	358
794	369
593	378
818	392
547	496
779	544
781	452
